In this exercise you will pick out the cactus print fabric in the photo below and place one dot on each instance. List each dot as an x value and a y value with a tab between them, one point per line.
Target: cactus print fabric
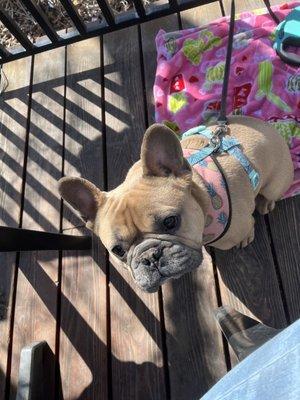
190	74
218	213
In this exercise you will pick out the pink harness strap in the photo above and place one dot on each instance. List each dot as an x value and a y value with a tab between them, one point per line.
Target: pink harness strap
218	214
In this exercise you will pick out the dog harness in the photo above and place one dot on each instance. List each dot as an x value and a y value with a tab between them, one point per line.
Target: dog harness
205	163
219	209
219	213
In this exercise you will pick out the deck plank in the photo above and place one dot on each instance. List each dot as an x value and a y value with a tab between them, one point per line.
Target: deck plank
194	345
200	16
249	281
137	363
13	112
205	347
83	353
248	278
285	232
248	5
36	298
284	225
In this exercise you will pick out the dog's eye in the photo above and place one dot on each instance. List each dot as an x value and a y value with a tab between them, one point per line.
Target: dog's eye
118	251
171	222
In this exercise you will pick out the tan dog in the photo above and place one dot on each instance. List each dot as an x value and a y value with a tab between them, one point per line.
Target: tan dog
154	220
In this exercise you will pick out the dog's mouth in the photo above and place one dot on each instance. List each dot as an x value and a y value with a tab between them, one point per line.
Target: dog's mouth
153	262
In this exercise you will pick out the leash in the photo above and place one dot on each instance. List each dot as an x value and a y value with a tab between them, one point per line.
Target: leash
287	34
219	141
284	36
222	120
271	12
287	57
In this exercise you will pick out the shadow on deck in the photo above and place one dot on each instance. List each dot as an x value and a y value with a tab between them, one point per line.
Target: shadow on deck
82	110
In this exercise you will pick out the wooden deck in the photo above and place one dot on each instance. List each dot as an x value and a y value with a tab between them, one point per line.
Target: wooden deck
82	110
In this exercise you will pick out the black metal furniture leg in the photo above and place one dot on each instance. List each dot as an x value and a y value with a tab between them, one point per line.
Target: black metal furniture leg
17	239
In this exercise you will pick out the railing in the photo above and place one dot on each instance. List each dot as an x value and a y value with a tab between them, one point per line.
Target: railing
82	30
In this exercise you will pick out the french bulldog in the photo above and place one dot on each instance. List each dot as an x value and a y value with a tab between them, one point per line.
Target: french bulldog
154	221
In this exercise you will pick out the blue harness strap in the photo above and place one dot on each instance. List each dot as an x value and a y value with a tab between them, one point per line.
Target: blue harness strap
219	145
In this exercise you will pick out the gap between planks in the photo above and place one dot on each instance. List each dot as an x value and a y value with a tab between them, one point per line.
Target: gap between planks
194	363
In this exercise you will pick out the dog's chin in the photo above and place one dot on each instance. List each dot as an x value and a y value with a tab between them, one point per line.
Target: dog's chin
176	259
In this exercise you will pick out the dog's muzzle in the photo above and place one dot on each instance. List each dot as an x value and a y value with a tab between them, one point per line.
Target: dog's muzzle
154	261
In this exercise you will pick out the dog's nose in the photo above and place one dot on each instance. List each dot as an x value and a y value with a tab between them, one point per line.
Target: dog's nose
157	254
152	258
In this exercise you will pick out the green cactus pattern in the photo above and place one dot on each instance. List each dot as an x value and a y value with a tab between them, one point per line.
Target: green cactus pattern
194	48
272	37
176	102
287	129
264	80
214	75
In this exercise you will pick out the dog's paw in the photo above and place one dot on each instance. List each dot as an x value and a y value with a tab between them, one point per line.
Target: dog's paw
263	205
249	239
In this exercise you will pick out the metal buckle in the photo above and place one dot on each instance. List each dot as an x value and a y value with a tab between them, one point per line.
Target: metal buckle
222	128
215	141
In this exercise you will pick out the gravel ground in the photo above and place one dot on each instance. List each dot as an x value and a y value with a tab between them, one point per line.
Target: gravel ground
88	10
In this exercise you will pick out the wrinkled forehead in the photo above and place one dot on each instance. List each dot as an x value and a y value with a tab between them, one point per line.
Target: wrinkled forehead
156	196
136	208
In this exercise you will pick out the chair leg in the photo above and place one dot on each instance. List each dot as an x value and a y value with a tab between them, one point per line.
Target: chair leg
17	239
36	373
243	333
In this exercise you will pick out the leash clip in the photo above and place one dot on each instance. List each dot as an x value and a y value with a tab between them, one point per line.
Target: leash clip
215	141
221	129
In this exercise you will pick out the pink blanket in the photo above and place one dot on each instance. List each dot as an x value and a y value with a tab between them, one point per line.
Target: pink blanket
190	69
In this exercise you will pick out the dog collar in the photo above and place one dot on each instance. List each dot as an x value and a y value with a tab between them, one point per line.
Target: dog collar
204	161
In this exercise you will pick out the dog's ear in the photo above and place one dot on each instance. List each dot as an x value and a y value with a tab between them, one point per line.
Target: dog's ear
161	153
83	195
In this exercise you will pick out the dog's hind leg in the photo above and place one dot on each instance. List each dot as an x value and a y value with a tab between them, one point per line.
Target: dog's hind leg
276	183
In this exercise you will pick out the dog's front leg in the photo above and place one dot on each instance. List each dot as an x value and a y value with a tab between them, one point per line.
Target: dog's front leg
263	205
250	235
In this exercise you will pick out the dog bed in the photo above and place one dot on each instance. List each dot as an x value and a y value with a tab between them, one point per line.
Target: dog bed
190	70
